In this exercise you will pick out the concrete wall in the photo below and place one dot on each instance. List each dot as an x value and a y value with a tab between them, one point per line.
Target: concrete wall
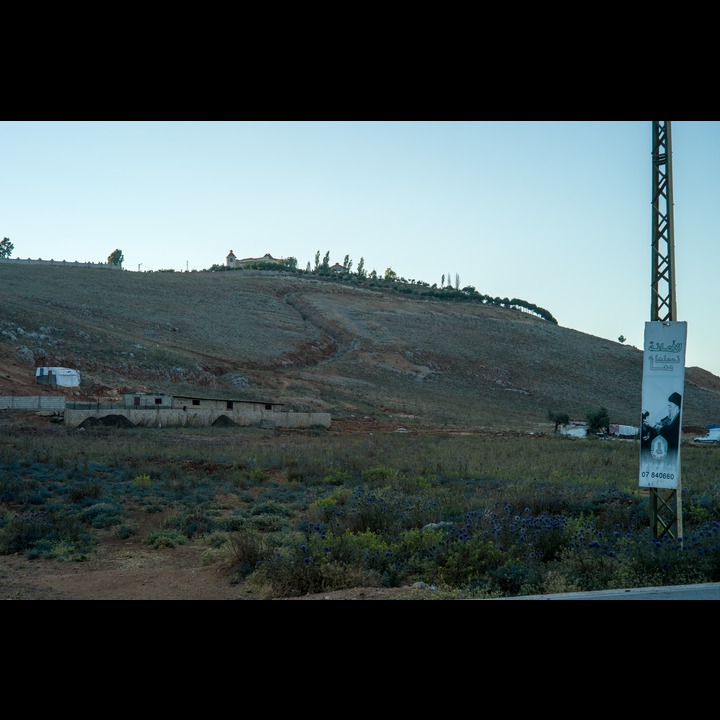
147	400
150	400
164	417
33	402
179	402
74	263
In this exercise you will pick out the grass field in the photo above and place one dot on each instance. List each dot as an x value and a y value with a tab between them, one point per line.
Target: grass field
286	514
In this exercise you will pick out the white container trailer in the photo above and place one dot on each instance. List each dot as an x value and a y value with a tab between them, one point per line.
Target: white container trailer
65	377
713	436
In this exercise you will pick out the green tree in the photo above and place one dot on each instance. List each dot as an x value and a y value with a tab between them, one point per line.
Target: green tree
558	418
326	261
6	248
390	274
598	421
317	260
116	257
622	339
361	268
347	263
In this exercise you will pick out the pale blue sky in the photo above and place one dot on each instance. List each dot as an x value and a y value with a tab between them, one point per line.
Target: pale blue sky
557	213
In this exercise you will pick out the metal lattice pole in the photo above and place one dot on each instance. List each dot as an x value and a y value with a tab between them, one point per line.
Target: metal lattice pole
665	509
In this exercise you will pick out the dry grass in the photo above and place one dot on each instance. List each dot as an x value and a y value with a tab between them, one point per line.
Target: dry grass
316	345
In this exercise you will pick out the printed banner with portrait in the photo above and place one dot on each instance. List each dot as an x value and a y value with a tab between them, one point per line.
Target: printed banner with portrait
663	388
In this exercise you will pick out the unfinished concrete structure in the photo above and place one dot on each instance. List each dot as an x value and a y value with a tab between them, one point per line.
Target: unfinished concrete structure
161	410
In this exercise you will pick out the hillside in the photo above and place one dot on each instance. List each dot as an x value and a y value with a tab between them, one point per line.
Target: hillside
316	345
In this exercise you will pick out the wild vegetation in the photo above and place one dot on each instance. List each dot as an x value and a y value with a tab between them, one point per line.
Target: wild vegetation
291	513
6	248
442	465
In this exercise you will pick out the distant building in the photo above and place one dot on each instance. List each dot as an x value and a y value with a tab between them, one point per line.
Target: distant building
185	402
232	261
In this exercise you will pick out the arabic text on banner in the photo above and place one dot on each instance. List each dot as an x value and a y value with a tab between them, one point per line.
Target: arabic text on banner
663	388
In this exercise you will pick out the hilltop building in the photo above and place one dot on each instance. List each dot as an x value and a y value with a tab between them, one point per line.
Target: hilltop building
232	261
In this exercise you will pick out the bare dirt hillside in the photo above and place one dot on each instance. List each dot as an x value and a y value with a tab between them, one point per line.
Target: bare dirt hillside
317	345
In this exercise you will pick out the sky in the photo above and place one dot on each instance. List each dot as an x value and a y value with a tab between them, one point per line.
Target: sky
556	213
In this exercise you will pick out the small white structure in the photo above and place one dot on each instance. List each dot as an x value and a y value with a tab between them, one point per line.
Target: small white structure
65	377
713	435
624	431
574	428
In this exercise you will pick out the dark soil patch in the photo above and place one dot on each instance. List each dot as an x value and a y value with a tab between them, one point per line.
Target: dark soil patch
118	421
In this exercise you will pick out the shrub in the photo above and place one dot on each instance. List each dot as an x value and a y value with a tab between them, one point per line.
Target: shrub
142	481
103	515
164	539
85	490
249	548
24	529
291	571
191	523
266	523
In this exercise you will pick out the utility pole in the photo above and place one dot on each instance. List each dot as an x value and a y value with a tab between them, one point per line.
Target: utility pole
665	504
663	304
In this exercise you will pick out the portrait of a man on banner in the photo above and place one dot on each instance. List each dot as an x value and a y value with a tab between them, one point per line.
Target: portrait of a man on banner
662	403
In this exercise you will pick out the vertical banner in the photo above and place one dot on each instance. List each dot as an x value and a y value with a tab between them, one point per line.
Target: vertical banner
663	387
